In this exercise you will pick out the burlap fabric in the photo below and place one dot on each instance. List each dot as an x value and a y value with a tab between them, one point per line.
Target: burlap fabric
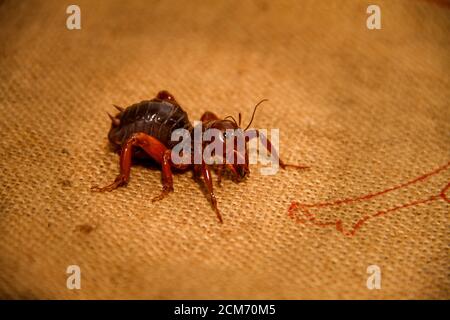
367	110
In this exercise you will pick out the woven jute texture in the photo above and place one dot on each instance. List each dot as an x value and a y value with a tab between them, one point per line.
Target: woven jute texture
368	110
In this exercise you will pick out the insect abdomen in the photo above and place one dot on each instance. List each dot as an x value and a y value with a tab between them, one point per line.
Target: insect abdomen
155	118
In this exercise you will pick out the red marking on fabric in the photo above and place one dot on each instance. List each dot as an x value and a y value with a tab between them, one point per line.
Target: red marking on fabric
308	216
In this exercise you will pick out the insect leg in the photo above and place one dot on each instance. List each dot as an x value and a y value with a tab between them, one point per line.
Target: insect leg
155	149
158	151
166	164
209	184
125	166
254	133
220	170
167	180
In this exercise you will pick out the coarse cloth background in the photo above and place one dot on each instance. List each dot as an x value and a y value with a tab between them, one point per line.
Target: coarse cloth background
367	110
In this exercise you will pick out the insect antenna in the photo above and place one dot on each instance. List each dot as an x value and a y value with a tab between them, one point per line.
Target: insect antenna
231	117
254	111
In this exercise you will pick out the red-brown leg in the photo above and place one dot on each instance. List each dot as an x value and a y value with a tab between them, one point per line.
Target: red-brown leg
167	180
125	167
254	133
155	149
209	184
220	170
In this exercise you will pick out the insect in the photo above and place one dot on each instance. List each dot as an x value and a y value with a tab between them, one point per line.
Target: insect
144	129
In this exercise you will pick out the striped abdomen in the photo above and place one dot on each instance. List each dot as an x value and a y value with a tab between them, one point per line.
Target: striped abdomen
155	117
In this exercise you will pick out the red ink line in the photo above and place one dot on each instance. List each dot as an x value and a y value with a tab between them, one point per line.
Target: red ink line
443	193
310	217
373	195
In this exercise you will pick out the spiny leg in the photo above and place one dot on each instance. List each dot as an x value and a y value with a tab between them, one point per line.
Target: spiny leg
254	133
155	149
209	184
220	170
223	168
167	180
158	151
125	167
